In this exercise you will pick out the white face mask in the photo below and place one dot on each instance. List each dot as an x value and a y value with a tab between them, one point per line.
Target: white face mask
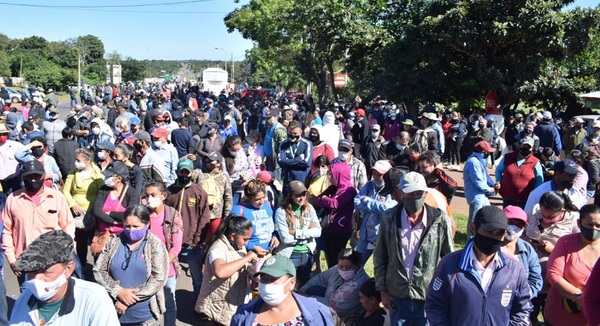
323	171
230	106
43	291
400	147
102	155
158	144
109	182
513	232
96	131
119	130
80	165
346	275
271	293
344	155
154	202
233	153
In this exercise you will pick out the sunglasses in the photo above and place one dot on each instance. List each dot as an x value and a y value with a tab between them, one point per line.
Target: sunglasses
302	194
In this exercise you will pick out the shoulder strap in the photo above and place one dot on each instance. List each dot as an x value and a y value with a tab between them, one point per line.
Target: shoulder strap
123	192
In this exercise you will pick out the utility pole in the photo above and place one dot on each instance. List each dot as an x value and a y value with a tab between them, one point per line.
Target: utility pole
78	70
21	69
232	69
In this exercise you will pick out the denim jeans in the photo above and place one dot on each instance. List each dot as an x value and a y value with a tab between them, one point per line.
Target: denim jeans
193	257
303	263
73	101
408	312
365	250
170	316
475	206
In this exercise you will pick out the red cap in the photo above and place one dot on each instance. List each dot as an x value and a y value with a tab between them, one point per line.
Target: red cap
360	112
264	176
484	146
516	213
160	132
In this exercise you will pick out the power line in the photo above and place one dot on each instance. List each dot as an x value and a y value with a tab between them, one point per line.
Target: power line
30	5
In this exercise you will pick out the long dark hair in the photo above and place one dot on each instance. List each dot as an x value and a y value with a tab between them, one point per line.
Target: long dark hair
290	216
556	201
237	225
230	159
139	211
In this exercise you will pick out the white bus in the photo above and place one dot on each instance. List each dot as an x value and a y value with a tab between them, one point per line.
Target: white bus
215	80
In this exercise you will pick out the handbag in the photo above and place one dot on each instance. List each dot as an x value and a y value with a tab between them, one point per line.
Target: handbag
101	237
85	222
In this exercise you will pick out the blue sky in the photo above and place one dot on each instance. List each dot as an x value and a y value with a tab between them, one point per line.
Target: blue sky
173	32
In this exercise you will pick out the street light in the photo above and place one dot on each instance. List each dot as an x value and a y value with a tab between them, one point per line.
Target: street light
232	62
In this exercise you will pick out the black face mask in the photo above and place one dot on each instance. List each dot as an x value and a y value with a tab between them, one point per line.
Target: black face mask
488	246
525	151
567	184
314	138
138	147
183	180
528	131
33	186
209	166
481	126
589	234
486	155
293	138
37	152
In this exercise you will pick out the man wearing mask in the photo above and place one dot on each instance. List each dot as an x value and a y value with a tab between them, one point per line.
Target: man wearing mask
276	134
372	149
359	171
9	174
32	211
480	283
526	133
422	234
190	201
478	183
372	203
397	150
428	119
565	172
151	163
518	173
167	152
360	131
295	155
574	135
53	296
548	134
514	128
53	128
214	115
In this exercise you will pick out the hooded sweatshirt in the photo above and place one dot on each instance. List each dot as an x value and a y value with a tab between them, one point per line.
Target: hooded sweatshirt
321	149
331	133
340	200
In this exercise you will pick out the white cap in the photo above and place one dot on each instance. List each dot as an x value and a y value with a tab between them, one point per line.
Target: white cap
547	115
382	166
413	181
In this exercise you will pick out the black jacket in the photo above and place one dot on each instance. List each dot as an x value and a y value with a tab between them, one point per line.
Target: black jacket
64	154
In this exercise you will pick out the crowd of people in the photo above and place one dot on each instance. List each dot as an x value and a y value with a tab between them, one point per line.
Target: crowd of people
139	185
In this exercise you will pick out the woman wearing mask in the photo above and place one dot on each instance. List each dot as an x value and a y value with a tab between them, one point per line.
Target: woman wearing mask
319	147
255	207
104	153
255	151
37	150
227	266
211	143
133	268
112	200
555	216
100	132
237	165
125	154
338	198
338	287
167	225
569	268
516	247
298	226
81	189
278	304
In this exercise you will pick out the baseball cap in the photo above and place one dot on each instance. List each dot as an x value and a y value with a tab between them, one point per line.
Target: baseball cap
408	122
272	113
516	213
277	266
160	132
215	156
185	164
227	117
360	112
106	145
528	140
230	102
48	249
484	146
346	144
265	176
491	218
382	166
413	181
32	167
134	120
117	168
579	120
566	165
376	127
597	124
296	188
547	115
142	135
429	115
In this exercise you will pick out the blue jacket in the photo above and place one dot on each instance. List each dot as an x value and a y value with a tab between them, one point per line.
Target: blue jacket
372	208
477	179
531	263
295	160
549	136
314	312
457	286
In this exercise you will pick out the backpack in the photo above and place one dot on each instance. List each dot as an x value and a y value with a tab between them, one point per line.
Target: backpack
212	190
421	138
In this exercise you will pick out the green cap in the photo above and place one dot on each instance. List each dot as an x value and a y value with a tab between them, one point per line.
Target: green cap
277	266
185	164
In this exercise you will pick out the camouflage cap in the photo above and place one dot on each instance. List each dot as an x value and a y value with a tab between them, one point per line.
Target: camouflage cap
48	249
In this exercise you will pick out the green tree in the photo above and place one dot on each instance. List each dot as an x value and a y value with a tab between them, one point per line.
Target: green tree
133	69
4	64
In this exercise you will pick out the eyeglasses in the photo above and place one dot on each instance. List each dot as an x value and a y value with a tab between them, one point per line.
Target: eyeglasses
125	263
